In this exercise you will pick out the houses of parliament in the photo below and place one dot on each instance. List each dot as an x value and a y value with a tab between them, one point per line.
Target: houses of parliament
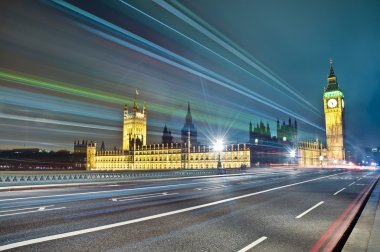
262	149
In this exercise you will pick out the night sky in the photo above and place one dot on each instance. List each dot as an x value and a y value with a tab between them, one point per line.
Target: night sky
68	68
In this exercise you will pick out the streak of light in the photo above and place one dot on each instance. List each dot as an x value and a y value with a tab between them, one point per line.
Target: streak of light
23	142
314	110
230	48
56	104
57	122
87	93
62	87
232	85
45	129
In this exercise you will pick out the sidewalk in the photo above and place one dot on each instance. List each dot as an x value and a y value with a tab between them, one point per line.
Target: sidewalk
366	234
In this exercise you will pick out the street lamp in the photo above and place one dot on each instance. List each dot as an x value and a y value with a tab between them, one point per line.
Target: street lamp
218	146
321	159
292	155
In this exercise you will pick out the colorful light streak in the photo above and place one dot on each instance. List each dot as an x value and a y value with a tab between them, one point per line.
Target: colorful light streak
233	50
72	75
187	65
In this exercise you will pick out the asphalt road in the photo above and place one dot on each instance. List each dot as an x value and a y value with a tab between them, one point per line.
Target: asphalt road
268	210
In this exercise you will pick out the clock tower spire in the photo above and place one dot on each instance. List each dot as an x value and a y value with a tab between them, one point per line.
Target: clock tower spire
333	100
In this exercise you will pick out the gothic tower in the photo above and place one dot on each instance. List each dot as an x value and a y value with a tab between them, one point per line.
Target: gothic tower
134	127
333	100
189	127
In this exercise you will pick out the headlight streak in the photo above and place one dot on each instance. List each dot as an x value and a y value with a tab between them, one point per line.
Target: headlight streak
56	104
232	85
33	143
299	98
75	133
230	48
79	76
98	95
57	122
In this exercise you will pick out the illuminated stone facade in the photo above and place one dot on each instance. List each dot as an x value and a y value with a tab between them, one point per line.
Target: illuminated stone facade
134	127
136	155
311	153
333	100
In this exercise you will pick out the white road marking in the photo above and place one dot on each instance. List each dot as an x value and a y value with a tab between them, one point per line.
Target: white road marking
339	191
250	182
37	209
98	192
359	179
142	196
246	248
21	209
310	209
211	188
360	184
351	184
123	223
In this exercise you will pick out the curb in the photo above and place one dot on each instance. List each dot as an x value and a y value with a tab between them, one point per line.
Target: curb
335	237
365	233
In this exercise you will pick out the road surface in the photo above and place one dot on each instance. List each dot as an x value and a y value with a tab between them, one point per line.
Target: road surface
268	210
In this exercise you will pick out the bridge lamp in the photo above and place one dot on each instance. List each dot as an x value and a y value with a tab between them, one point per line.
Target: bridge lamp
292	153
218	146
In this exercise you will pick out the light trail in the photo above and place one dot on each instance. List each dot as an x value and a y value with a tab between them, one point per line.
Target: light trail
57	122
96	95
220	81
234	87
230	48
62	87
57	104
314	110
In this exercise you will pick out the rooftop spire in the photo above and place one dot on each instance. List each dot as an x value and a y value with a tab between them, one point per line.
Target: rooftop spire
332	80
332	74
189	119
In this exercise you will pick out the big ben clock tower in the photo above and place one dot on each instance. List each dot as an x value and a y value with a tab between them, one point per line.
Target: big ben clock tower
333	100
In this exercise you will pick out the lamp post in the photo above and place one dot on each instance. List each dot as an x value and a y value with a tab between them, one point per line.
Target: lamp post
321	160
292	155
218	146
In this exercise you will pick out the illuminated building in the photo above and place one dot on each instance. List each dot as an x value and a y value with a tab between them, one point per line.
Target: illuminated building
262	149
311	153
333	100
134	127
137	155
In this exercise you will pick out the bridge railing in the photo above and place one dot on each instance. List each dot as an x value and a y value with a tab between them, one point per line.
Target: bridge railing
16	178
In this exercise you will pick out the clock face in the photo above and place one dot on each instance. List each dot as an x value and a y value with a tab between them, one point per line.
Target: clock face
332	103
342	103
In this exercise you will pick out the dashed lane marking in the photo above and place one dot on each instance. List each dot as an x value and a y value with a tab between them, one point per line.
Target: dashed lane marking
253	244
339	191
11	212
310	209
142	196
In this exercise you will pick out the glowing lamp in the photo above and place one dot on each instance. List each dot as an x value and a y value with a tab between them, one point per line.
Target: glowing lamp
292	153
218	145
